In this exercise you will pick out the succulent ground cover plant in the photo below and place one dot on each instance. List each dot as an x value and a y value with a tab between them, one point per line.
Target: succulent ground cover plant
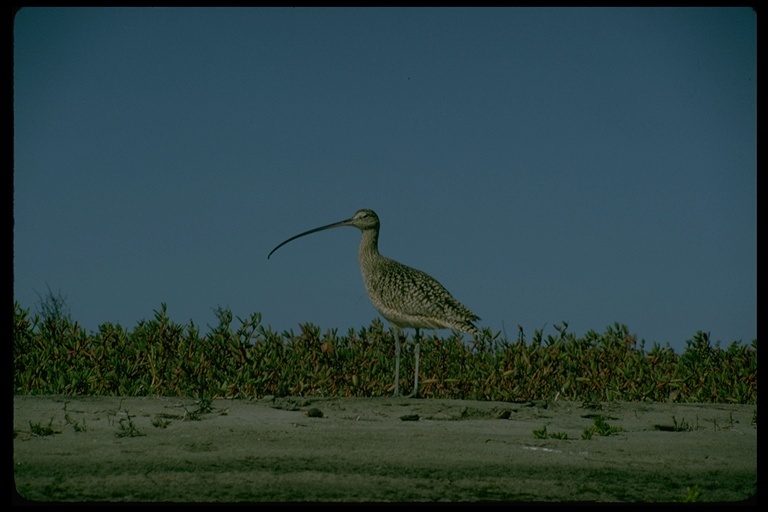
240	358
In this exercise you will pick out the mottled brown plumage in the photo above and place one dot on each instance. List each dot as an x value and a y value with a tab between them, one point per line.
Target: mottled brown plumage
406	297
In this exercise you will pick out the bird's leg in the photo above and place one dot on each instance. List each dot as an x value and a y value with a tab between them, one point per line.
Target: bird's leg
396	332
416	350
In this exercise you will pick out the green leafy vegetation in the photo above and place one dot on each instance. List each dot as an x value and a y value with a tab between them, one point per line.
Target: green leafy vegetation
39	429
52	354
542	433
692	494
601	428
126	427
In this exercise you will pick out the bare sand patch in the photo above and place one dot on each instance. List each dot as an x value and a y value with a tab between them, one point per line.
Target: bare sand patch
378	449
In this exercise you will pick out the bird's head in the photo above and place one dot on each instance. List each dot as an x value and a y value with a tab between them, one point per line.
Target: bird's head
364	219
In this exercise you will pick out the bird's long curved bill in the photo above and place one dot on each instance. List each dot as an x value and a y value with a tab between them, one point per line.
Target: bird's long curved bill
321	228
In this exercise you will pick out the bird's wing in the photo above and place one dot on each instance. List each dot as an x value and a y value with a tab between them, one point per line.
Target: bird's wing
414	292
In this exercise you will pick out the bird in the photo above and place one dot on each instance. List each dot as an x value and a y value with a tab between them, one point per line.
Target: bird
404	296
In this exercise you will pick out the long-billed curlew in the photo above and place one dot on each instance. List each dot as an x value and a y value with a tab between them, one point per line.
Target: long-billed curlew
406	297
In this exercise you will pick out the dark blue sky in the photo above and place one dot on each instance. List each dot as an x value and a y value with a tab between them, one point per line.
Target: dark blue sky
583	165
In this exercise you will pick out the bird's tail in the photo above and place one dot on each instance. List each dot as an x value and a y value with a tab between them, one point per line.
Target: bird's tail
470	328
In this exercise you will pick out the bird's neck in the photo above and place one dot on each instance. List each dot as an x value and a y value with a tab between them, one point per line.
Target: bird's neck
369	247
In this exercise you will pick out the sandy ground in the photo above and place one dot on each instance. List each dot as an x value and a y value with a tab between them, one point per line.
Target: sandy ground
378	449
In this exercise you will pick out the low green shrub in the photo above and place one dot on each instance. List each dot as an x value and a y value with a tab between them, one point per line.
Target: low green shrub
54	355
